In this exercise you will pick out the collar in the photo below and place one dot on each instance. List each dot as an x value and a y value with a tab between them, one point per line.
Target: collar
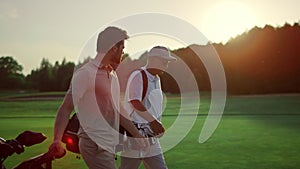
149	75
96	62
108	67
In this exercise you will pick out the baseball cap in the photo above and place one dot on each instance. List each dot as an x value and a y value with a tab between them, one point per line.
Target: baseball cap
162	53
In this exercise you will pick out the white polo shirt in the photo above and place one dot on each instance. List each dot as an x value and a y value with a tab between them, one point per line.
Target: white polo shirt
95	94
153	98
152	102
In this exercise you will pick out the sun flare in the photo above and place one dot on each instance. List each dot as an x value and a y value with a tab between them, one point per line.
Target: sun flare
226	20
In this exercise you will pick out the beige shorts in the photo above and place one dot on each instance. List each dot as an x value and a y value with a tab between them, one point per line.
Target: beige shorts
94	156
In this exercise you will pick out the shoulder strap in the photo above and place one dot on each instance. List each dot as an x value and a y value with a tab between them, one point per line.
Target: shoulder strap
145	88
145	83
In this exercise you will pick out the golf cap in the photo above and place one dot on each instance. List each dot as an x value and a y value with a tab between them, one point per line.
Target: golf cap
162	53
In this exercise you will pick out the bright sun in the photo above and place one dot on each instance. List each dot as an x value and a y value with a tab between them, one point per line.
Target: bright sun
226	20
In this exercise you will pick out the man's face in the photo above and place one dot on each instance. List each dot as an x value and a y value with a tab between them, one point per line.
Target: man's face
159	64
118	52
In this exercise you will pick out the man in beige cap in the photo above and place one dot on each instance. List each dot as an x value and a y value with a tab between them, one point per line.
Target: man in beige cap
143	100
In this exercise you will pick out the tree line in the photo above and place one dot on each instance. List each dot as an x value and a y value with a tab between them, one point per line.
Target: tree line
262	60
47	77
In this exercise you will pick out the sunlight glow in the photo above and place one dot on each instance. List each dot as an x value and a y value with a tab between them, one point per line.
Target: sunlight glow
226	20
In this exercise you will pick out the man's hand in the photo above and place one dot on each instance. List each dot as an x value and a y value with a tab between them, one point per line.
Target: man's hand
142	143
56	149
155	125
157	128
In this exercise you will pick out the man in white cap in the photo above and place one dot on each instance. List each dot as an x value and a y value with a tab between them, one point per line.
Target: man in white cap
143	100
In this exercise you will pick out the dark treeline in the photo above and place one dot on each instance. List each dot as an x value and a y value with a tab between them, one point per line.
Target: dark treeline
50	77
47	77
262	60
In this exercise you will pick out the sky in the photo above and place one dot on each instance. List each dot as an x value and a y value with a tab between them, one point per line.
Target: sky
34	29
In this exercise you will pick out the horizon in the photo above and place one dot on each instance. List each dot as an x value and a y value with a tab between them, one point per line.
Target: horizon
32	30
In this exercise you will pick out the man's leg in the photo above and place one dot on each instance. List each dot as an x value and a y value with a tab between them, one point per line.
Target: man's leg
94	156
155	162
130	163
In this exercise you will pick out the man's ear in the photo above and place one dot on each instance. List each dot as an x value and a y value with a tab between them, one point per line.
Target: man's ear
114	48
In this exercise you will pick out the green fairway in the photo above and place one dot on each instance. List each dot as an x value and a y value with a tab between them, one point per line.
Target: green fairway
255	132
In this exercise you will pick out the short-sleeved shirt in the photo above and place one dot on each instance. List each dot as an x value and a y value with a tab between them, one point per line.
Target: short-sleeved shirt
153	98
95	93
152	102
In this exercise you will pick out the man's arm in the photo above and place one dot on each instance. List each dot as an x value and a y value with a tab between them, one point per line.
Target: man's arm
61	122
155	125
135	88
129	126
142	111
62	117
143	143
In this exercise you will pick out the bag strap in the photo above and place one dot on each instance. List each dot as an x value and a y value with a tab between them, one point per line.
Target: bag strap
145	88
145	83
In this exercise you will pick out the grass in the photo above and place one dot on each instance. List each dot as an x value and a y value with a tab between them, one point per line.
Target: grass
29	109
16	94
255	132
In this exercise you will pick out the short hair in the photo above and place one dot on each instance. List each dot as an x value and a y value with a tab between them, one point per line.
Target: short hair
109	37
160	47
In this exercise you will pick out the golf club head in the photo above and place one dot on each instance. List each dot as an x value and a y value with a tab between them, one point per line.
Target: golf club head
29	138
